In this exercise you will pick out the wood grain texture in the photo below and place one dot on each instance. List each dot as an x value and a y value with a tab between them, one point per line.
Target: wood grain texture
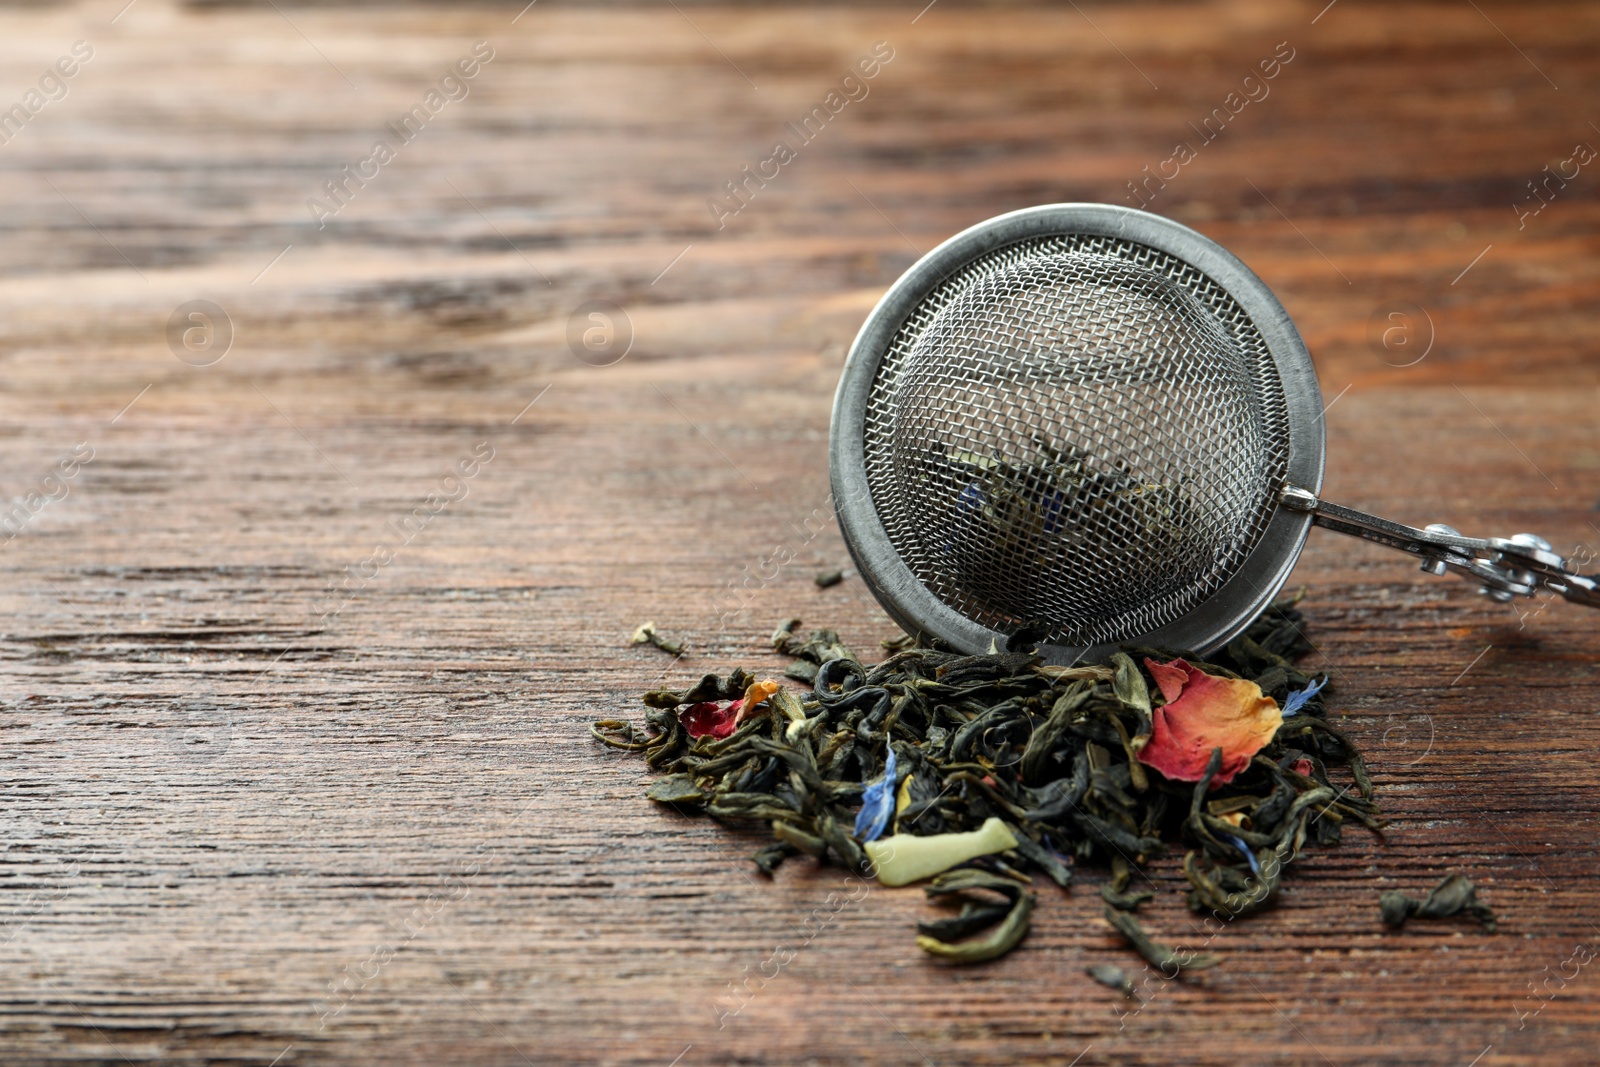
238	829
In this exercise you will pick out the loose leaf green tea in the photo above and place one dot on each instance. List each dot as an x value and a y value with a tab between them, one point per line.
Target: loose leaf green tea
1001	767
1456	895
1009	921
1112	977
647	634
1169	961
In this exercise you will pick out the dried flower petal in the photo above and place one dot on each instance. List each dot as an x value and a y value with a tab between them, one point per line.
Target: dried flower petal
758	692
903	859
902	800
1204	712
1297	699
710	719
877	803
1250	857
713	719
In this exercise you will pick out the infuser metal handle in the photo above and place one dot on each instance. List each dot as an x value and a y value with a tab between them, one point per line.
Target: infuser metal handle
1502	567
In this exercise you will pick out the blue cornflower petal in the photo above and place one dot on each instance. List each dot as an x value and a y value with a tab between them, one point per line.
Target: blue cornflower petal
1298	698
1239	844
1052	505
877	803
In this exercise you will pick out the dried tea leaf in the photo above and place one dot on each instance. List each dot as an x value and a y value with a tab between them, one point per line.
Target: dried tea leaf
675	789
1111	976
647	634
1160	956
973	917
1456	895
1005	936
1129	684
768	858
1080	673
1125	901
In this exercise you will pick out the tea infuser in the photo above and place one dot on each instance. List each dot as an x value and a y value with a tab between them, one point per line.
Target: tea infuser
1095	425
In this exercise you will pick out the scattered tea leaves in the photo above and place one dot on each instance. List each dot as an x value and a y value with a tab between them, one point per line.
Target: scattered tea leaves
829	579
980	767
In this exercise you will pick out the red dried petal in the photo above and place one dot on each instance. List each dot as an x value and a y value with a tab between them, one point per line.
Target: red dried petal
1302	766
1204	712
1170	677
710	719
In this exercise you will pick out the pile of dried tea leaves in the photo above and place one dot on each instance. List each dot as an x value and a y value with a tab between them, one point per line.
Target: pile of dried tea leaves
979	771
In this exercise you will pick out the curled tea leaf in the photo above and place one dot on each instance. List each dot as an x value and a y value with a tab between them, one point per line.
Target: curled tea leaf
1010	929
647	634
1456	895
675	789
1125	901
768	858
1162	957
620	733
1112	977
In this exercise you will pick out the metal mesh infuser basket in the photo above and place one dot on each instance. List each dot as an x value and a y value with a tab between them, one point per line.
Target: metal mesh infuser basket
1097	425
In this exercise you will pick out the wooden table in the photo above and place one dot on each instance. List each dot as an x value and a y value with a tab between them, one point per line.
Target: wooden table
249	820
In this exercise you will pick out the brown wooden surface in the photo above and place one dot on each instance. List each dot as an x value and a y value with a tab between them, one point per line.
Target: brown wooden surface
217	807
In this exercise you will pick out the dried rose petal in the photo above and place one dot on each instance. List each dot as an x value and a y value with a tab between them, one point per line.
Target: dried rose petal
710	719
1302	766
1204	712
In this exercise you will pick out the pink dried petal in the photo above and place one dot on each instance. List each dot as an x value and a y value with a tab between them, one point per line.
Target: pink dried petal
710	719
1204	712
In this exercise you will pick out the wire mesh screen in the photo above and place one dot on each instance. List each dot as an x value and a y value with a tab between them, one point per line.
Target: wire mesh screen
1077	432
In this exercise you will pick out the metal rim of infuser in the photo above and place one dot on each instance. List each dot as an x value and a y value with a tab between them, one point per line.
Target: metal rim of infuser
1077	420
